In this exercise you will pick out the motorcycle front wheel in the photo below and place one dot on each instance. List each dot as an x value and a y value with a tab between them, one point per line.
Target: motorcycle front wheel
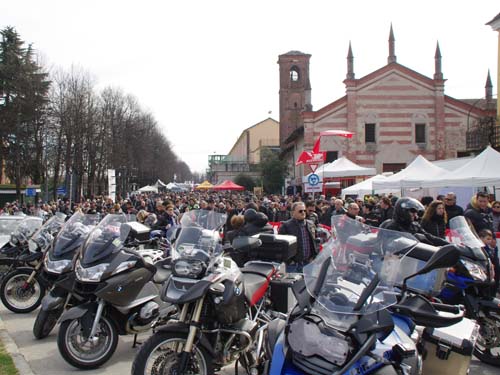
45	321
87	352
487	347
18	295
160	355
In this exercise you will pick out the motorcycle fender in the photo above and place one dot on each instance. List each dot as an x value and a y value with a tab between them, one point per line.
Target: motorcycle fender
279	356
184	328
491	305
77	312
50	302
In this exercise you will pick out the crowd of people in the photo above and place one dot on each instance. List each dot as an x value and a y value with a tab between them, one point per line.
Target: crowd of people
298	215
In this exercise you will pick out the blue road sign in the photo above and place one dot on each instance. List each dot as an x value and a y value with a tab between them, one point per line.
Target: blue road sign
313	179
61	190
30	192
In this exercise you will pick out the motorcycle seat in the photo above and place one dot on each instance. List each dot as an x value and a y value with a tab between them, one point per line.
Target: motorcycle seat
255	286
10	251
259	268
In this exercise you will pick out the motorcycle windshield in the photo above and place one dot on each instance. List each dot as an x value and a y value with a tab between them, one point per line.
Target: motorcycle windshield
8	224
74	233
27	228
107	237
50	227
358	269
461	234
198	233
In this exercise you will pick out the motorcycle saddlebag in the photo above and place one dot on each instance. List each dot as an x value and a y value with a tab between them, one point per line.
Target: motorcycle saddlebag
448	350
275	248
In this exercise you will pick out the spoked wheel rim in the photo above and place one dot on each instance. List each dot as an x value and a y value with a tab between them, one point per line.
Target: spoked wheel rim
164	358
488	341
89	350
21	294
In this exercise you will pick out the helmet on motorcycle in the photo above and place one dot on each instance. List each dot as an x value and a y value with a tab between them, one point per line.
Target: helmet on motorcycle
403	209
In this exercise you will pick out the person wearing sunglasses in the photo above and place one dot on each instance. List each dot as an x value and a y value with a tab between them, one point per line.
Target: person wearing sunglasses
495	212
305	231
405	219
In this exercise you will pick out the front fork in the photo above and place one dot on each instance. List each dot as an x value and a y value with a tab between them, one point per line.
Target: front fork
193	330
98	314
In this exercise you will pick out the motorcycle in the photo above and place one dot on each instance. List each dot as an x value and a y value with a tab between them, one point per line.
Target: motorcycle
22	289
121	293
8	224
23	228
470	282
58	271
342	322
222	315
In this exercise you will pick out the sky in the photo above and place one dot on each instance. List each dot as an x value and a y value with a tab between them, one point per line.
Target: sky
207	69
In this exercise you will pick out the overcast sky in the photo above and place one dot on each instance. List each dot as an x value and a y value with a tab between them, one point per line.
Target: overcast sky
207	69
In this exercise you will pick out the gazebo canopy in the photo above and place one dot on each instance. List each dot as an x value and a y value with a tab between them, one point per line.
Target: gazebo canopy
343	167
228	185
205	185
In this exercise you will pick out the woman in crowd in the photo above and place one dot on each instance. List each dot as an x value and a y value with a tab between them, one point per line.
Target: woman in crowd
434	219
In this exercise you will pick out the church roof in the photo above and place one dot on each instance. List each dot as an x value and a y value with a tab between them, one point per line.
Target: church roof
295	53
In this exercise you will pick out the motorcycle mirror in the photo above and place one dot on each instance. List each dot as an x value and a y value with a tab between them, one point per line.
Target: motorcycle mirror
445	257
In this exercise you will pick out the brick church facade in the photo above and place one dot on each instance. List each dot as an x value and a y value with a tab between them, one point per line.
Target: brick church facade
395	112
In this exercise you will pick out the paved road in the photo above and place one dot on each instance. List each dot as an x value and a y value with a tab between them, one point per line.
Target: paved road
44	358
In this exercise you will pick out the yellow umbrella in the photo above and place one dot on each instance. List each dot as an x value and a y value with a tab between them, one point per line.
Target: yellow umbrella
205	185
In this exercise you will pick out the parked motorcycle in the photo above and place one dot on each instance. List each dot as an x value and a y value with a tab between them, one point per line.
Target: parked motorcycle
342	323
23	228
59	274
22	289
222	309
121	295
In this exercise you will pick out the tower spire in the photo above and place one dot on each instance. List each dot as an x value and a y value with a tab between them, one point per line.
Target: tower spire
350	63
438	74
392	47
488	88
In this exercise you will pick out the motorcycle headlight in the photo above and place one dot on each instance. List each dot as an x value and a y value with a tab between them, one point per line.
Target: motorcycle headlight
32	245
188	268
90	274
476	271
56	266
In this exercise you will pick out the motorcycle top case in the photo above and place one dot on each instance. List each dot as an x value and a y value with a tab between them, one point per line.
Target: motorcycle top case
138	231
282	294
449	350
274	248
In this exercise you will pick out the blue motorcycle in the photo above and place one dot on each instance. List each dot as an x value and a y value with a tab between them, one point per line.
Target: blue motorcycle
354	313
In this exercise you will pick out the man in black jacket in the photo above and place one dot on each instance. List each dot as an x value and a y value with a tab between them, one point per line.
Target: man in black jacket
479	213
451	206
305	231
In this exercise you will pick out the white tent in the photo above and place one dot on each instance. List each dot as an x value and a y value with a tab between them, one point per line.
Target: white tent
366	187
483	170
452	164
342	167
419	168
148	188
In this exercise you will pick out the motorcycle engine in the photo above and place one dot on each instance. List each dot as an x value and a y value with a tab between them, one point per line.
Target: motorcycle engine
141	321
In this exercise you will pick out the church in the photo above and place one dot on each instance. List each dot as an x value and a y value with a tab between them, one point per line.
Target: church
394	112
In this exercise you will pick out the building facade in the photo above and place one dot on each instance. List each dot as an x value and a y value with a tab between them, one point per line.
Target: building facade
394	112
245	155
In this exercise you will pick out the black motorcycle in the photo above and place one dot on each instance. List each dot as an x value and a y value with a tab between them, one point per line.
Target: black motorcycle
120	287
23	288
223	312
58	272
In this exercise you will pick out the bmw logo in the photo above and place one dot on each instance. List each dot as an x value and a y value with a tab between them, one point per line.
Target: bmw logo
119	289
237	291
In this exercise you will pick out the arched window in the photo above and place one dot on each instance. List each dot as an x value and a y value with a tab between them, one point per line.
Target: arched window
294	74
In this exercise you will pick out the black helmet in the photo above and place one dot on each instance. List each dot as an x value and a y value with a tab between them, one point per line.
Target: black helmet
403	208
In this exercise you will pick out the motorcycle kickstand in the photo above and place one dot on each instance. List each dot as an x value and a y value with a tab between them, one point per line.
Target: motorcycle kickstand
134	345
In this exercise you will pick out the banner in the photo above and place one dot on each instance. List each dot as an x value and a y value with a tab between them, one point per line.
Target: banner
111	184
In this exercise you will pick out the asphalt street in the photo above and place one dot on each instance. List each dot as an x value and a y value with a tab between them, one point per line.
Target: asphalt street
44	359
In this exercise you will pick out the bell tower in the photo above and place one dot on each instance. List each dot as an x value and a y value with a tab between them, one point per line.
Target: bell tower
295	92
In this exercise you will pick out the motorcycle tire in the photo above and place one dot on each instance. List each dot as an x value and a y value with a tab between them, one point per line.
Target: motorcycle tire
484	354
140	364
69	350
45	321
10	294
